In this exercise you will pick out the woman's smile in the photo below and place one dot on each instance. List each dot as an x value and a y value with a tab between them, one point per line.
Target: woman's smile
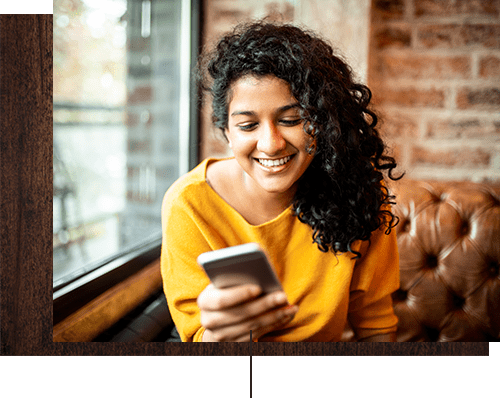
274	165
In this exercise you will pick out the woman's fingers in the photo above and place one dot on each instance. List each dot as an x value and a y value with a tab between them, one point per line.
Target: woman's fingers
259	325
213	299
270	322
243	312
229	314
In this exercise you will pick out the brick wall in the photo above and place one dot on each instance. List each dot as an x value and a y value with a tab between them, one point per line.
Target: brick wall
434	69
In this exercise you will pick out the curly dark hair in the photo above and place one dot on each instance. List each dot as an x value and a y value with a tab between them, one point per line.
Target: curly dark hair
341	195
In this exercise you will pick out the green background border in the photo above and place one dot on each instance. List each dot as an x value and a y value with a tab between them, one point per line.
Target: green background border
230	376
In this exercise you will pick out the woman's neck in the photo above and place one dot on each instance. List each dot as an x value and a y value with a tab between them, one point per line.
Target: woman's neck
267	199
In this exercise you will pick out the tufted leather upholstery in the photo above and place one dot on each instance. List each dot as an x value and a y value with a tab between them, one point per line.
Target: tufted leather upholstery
449	244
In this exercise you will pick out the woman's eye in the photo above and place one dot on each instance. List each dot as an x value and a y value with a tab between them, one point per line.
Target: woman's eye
292	122
247	126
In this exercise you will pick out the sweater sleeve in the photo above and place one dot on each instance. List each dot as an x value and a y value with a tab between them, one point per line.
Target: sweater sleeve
183	279
375	278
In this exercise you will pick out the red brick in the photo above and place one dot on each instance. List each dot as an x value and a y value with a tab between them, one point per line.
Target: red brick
465	128
280	12
410	97
478	98
484	35
424	67
459	157
142	94
399	126
395	150
230	15
489	66
456	36
425	8
392	37
388	9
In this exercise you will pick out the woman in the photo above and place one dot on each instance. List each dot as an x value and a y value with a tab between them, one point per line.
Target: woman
305	183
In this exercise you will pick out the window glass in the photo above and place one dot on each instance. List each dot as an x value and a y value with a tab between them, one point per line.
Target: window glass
119	139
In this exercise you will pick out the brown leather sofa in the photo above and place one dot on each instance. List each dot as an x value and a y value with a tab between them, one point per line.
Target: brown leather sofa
449	250
449	247
449	244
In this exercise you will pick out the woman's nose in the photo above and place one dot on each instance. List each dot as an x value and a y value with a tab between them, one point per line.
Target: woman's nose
270	140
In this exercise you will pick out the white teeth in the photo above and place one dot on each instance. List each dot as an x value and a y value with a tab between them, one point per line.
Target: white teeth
277	162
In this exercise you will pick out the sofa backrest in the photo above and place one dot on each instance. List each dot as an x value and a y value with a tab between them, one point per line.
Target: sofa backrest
449	247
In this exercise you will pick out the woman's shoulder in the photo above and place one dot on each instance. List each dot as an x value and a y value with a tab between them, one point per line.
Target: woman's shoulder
192	186
218	174
191	179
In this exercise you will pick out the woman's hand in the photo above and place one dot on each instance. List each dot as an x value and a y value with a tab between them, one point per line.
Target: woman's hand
229	314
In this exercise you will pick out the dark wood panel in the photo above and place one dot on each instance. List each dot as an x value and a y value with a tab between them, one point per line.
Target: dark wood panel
26	181
26	221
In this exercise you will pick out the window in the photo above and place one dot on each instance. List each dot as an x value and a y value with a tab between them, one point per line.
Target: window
124	129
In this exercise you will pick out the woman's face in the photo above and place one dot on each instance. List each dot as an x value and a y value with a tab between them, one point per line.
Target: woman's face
265	133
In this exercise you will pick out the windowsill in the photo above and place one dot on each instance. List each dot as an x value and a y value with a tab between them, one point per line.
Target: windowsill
105	310
86	288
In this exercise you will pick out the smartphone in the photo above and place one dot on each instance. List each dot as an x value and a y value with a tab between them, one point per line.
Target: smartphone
238	265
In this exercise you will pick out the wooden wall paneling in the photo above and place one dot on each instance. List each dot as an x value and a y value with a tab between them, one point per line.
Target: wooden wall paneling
26	182
26	222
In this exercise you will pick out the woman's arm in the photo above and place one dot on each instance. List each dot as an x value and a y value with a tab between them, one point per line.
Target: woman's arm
375	278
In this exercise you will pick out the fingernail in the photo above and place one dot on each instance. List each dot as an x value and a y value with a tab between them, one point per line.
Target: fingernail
255	290
287	316
280	298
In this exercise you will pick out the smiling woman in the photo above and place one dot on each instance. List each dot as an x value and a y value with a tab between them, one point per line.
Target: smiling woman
306	183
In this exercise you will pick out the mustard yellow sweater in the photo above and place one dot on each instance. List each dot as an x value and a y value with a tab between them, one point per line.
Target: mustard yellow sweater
328	289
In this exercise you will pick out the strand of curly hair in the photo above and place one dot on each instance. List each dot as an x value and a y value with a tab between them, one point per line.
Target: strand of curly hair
342	195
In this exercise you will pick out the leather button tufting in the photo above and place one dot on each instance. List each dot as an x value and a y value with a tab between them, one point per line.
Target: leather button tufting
435	198
495	202
431	261
406	225
433	334
494	269
458	302
465	228
400	295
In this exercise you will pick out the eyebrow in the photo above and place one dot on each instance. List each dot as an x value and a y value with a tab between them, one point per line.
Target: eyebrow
280	110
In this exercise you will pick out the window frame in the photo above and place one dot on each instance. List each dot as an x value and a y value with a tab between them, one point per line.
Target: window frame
75	293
